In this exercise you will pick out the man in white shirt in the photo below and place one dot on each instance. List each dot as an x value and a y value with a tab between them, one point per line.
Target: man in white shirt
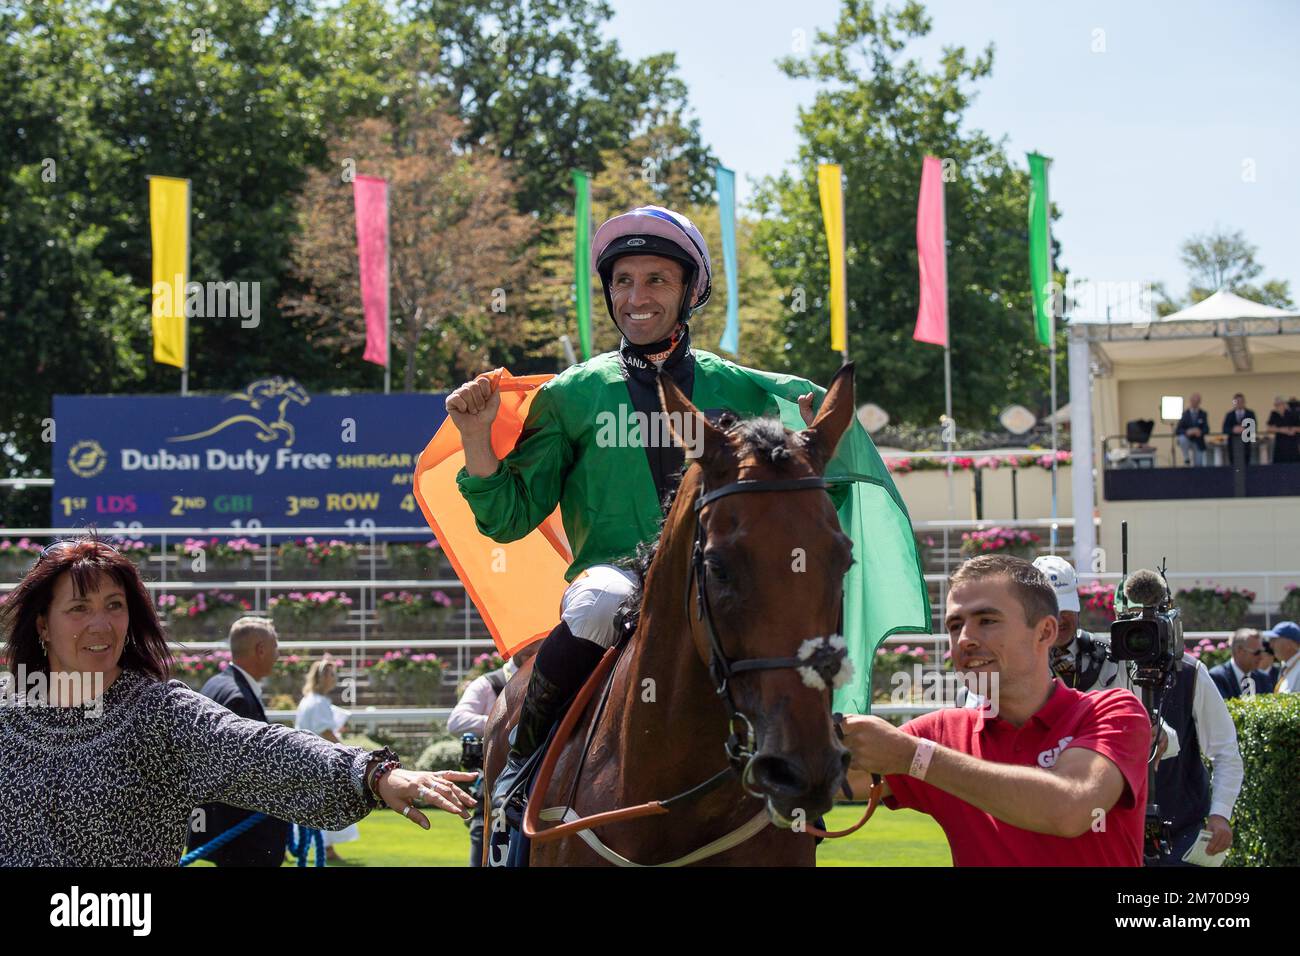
470	715
1180	786
1285	641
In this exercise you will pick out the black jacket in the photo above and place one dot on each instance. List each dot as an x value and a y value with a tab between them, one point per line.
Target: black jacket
263	845
1235	441
1225	678
1194	418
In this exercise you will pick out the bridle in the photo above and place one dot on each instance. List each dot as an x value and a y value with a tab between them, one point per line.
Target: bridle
824	656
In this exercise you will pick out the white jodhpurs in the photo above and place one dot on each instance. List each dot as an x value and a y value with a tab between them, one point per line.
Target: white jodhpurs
590	602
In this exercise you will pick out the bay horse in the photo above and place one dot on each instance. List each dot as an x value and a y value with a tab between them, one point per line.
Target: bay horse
772	558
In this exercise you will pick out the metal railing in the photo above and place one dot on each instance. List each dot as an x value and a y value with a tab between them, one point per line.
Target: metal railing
473	638
1216	445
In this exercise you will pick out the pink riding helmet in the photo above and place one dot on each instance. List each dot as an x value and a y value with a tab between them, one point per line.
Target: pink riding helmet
654	230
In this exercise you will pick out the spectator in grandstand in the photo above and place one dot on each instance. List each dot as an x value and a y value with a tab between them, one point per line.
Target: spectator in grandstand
1284	426
1231	676
103	758
317	715
1240	425
1060	777
1191	431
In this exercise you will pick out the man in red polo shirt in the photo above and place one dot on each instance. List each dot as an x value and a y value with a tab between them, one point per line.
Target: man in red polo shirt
1056	778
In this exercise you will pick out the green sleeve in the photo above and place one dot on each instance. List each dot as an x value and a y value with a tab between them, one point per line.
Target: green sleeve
528	482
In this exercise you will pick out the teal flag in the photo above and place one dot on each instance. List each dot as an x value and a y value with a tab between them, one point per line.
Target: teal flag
1040	249
582	259
730	341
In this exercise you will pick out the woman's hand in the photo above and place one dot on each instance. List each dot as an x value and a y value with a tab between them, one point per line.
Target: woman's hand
403	789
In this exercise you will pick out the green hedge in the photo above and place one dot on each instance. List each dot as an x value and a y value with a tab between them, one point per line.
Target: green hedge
1265	823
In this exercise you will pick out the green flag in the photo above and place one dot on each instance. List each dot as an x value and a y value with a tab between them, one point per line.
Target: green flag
1040	249
582	258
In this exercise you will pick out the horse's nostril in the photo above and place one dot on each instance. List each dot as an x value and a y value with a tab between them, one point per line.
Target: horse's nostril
778	775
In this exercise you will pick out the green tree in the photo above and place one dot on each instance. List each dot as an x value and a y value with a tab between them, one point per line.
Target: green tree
240	96
69	320
625	183
878	114
1220	259
540	80
456	270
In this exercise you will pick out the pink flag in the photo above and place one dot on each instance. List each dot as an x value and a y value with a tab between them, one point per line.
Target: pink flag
370	197
931	255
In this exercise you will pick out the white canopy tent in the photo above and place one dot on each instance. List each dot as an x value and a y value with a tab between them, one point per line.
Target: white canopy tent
1226	306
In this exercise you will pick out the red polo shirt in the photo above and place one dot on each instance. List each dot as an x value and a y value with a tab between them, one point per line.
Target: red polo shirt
1112	722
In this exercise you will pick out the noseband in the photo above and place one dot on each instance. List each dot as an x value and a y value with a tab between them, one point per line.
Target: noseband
820	661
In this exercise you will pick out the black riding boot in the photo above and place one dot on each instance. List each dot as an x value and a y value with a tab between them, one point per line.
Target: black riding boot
563	663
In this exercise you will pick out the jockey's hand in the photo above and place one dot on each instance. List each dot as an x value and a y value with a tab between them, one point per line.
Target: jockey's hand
403	789
806	408
473	407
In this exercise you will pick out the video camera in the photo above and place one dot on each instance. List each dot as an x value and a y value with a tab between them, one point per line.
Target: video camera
471	752
1148	632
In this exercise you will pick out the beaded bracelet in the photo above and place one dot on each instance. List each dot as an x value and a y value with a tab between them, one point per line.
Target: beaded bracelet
383	768
387	760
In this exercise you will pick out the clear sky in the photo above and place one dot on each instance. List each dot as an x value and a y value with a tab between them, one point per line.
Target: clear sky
1150	138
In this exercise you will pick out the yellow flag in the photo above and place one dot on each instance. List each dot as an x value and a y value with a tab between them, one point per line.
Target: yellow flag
169	223
832	196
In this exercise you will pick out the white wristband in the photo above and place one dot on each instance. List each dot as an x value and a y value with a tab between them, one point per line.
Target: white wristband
921	759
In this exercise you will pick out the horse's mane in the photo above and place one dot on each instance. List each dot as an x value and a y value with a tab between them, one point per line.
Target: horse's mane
762	439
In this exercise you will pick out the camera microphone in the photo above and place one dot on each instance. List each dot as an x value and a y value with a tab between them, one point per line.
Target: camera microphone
1145	588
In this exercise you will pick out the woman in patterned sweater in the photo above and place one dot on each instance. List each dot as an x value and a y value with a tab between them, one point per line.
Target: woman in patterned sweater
103	759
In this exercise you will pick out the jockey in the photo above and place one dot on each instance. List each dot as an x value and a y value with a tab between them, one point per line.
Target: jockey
575	450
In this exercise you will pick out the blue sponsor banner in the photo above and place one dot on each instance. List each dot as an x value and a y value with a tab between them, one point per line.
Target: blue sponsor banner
268	456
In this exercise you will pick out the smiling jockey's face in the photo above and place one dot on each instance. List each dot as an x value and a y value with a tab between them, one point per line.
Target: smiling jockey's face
647	295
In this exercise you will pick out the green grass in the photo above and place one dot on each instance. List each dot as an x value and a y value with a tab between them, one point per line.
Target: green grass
891	838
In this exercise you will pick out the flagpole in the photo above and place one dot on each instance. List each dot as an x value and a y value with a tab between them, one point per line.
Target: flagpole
388	293
947	356
1051	272
185	312
844	258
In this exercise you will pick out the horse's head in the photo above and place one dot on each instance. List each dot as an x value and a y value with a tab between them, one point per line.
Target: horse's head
290	389
773	563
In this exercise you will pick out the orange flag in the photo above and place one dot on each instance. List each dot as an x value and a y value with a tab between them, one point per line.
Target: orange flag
517	586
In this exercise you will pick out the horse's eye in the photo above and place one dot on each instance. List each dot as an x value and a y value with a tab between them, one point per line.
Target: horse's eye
717	570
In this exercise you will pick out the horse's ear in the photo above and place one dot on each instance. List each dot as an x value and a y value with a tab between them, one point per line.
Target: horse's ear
821	438
701	438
